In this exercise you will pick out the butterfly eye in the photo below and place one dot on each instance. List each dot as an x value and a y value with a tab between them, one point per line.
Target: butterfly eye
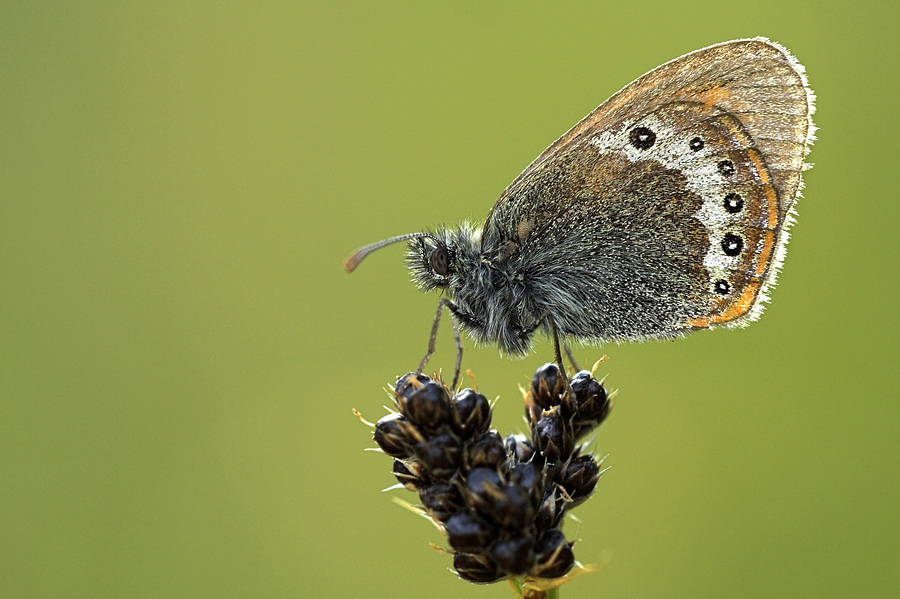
440	260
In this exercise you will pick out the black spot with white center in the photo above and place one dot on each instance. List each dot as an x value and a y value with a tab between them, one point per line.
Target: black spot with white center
726	167
696	144
722	287
732	244
734	203
642	138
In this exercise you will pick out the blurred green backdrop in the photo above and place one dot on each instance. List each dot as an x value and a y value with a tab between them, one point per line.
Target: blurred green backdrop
181	348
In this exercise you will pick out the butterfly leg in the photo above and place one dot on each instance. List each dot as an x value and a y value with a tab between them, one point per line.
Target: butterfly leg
459	352
557	353
569	355
433	340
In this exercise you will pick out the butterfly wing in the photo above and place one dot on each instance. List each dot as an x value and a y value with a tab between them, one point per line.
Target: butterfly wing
672	197
756	80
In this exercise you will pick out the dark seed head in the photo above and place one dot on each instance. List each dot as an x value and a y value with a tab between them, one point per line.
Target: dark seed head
468	533
547	386
471	413
554	557
530	479
592	403
579	478
440	455
501	501
512	508
396	436
411	474
408	384
550	513
519	448
428	407
483	488
442	499
486	450
514	555
590	396
554	437
478	568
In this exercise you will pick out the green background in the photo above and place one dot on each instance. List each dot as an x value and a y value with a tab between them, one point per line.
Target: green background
181	349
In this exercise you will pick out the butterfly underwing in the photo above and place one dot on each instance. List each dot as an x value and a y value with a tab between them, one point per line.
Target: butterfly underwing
663	211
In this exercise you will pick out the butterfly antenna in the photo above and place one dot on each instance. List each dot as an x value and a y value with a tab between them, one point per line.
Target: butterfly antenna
356	257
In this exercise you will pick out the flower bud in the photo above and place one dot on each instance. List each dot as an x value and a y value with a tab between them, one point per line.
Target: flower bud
486	450
547	386
579	478
471	413
468	533
428	407
411	474
396	436
440	455
442	500
553	437
476	567
514	555
519	448
554	557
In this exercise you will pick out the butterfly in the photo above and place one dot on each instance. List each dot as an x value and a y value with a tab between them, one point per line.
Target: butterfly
663	211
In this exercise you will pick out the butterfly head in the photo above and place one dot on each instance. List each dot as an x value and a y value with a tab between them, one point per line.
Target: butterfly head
441	259
445	259
477	281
